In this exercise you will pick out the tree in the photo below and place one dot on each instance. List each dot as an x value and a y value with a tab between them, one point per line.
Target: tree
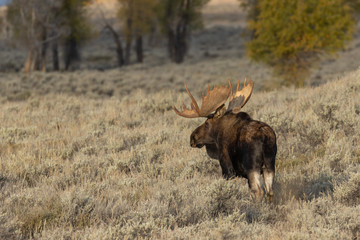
74	20
37	24
55	33
107	22
118	43
137	17
177	18
31	21
291	35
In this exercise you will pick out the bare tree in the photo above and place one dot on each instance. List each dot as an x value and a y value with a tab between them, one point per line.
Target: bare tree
108	23
32	21
37	24
118	43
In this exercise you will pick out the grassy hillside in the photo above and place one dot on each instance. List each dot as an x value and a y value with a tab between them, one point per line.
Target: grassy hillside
83	167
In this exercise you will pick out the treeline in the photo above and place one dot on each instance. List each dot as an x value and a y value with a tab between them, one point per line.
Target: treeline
63	25
289	36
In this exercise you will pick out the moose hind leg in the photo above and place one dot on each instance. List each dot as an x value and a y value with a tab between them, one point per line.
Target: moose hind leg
255	185
269	180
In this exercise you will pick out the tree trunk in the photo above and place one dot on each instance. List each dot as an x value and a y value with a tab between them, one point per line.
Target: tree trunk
177	39
55	52
180	44
44	46
170	32
128	41
28	62
7	32
43	57
55	55
171	44
71	52
37	60
119	49
120	55
139	49
32	60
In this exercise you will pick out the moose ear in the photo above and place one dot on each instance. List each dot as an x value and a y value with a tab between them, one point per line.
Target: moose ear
220	111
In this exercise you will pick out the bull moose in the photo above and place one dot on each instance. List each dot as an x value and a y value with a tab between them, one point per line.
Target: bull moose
245	147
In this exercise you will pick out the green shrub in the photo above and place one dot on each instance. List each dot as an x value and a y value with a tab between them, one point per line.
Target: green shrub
291	35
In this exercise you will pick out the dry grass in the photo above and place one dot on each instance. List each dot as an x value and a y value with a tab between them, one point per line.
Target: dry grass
82	166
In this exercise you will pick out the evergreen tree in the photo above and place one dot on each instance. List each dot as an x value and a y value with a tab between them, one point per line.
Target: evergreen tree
291	35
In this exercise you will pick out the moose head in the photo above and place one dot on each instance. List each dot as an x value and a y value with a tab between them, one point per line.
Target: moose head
214	100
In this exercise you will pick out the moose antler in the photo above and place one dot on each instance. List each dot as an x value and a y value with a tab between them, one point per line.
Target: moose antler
239	99
213	99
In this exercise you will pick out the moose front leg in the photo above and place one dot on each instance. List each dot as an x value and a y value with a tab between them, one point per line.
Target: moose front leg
226	164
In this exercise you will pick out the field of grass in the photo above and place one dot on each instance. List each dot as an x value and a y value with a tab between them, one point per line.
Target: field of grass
79	164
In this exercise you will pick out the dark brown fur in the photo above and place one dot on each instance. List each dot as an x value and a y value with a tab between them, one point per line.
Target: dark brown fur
244	147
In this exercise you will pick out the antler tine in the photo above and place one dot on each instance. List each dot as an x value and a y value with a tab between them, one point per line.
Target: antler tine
189	113
237	89
239	99
214	99
202	94
194	104
231	91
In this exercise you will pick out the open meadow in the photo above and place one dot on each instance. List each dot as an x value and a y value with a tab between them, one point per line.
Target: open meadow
113	168
98	153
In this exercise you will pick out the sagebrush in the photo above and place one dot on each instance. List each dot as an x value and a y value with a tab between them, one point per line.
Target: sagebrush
81	167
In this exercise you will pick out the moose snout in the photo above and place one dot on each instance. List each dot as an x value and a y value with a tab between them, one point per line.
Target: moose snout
194	143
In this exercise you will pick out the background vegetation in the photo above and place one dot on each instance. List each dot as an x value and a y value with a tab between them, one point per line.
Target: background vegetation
290	38
291	35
